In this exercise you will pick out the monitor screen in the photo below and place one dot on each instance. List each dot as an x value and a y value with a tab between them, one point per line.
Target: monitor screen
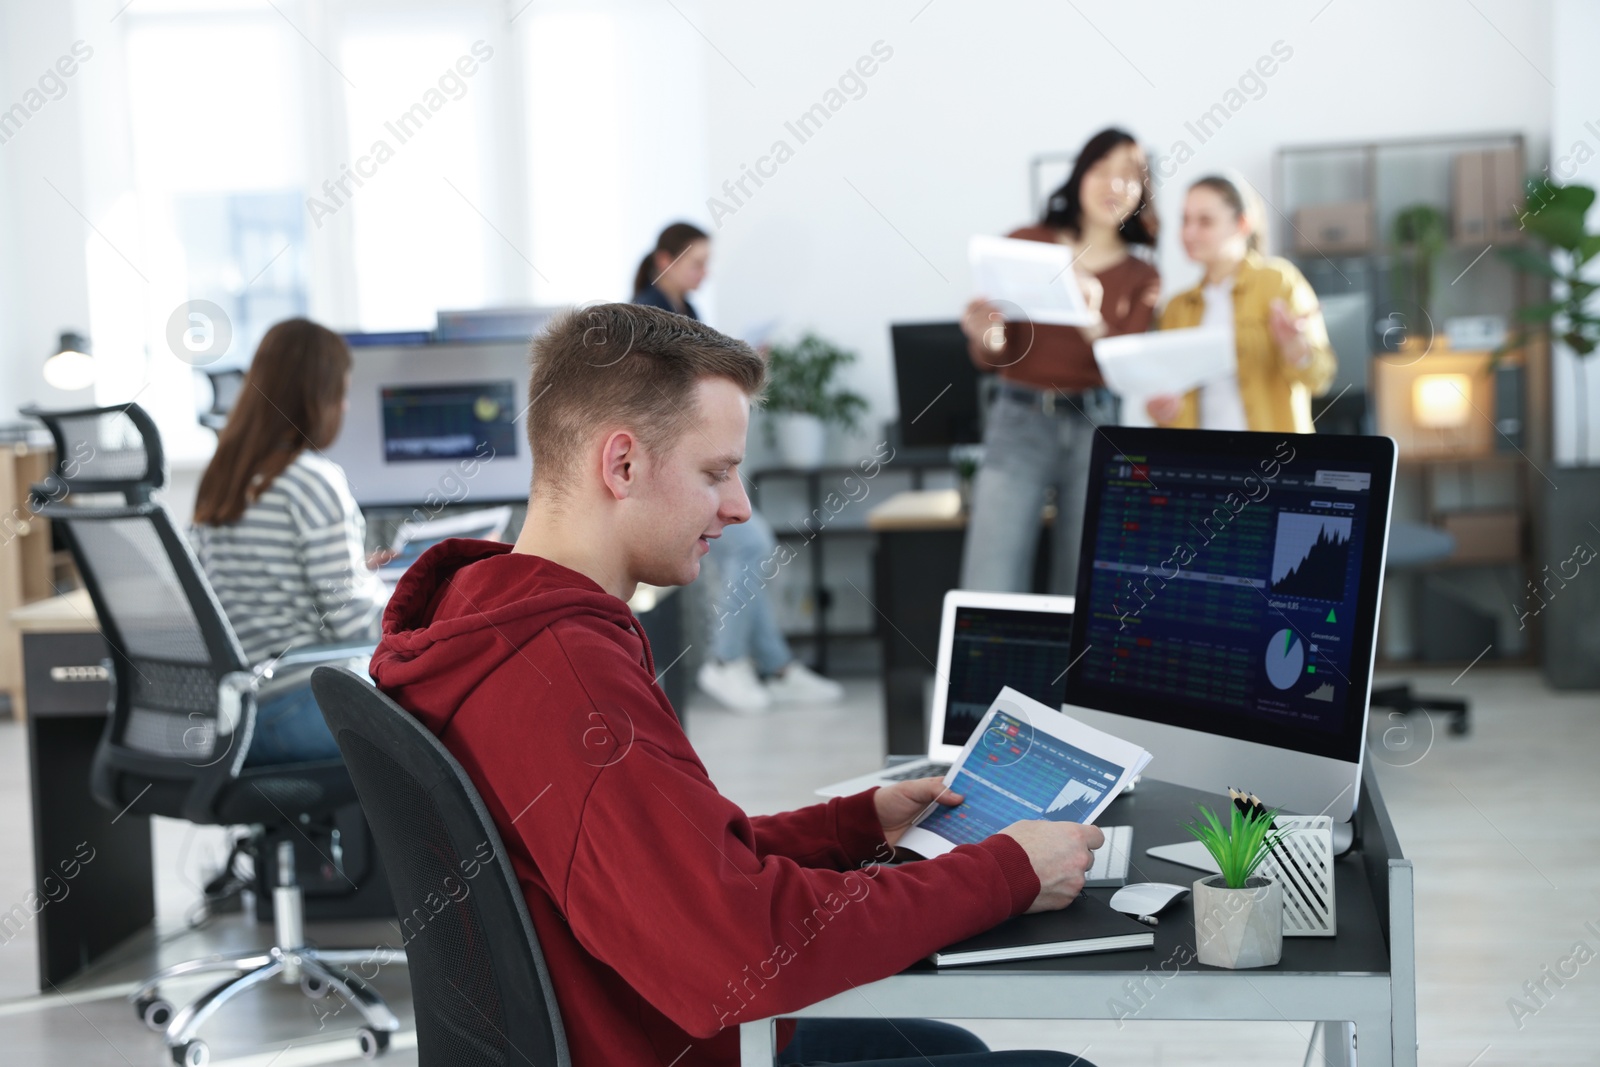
432	422
937	385
435	424
1228	583
992	648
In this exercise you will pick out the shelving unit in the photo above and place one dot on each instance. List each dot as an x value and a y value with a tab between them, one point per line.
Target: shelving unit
1334	212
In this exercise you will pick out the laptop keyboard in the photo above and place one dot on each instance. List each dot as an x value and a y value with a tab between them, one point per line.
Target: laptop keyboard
919	769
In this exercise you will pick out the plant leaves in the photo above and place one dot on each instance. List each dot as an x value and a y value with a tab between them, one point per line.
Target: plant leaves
1529	261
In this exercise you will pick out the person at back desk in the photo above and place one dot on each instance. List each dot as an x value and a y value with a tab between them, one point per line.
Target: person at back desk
667	915
1042	420
750	666
278	533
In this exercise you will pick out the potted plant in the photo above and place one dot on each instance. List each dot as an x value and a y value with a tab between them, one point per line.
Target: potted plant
1556	217
1238	915
967	460
1421	231
803	399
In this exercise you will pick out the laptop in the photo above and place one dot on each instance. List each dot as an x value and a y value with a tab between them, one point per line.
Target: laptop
986	641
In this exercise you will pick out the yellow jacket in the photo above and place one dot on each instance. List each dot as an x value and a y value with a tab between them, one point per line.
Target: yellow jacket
1276	394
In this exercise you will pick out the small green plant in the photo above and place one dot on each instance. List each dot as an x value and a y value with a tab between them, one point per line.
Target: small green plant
1556	216
1241	845
1422	231
801	381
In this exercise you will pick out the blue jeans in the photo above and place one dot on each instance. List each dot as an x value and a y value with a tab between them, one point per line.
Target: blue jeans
868	1042
743	619
1026	451
290	729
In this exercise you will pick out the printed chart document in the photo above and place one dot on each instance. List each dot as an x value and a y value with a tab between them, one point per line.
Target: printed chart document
412	539
1026	760
1138	366
1033	277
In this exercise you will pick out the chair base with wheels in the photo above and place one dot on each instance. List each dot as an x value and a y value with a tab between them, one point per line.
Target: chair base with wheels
289	960
1400	698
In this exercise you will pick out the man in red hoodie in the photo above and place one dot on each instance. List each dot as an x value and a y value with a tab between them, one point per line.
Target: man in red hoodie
667	915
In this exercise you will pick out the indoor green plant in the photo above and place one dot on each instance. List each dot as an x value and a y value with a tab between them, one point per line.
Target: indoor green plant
1420	230
1555	215
803	398
1238	915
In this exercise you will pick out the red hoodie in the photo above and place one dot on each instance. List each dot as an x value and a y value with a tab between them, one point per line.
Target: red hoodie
666	914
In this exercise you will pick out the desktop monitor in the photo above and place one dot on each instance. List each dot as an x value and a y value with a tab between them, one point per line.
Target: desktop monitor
937	385
1227	606
436	423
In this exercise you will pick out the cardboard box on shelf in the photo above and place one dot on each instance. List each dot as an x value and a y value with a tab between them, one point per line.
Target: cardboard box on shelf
1335	227
1486	536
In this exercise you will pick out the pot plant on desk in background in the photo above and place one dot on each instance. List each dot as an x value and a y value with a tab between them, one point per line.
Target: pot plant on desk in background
802	399
1238	916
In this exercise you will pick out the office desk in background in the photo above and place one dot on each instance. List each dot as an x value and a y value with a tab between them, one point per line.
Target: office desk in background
68	697
69	692
918	557
1362	982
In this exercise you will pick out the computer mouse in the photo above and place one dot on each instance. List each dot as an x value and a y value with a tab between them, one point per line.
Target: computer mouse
1144	900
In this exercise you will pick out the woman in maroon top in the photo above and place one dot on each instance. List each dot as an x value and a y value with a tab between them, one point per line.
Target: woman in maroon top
1051	396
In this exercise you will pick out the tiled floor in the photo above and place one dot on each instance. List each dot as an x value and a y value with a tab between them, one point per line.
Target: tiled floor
1504	828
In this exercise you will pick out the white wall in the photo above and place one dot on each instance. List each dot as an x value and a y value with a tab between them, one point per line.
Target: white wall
868	222
1575	157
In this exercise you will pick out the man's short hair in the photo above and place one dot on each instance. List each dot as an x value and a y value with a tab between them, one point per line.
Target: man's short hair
625	365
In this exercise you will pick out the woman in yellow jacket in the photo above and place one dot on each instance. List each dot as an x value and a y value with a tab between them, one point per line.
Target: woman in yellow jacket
1280	341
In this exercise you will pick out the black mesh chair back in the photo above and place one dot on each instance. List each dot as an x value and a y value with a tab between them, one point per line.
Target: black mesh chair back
104	450
481	992
184	704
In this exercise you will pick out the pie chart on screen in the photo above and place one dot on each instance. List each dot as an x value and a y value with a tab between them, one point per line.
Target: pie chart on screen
1286	658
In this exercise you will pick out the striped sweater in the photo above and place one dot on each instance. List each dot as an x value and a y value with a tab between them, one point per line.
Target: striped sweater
292	571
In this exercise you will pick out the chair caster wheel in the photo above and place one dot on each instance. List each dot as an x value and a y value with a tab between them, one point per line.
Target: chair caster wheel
1459	727
314	987
193	1054
374	1043
154	1012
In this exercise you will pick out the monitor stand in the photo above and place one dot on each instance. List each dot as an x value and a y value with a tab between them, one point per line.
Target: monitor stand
1194	854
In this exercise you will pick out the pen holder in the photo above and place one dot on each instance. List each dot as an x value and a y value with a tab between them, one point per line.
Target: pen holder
1303	865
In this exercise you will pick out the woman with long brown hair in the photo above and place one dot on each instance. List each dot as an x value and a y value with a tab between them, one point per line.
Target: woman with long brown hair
278	532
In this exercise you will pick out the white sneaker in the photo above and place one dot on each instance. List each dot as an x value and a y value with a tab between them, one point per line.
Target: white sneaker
799	684
734	685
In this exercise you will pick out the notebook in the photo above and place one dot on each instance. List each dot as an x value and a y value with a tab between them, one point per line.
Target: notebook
1088	924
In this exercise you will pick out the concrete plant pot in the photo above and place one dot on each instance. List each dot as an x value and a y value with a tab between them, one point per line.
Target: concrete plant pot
802	439
1238	928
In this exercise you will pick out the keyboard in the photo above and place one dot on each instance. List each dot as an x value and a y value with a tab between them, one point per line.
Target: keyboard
916	769
1111	859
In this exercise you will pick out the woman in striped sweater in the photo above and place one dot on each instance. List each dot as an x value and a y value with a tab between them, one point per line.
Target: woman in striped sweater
279	534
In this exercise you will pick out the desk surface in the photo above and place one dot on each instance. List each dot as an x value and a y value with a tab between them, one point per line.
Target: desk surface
69	613
74	613
1362	980
928	509
1157	812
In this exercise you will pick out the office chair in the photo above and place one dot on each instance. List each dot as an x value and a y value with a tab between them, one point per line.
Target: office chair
183	712
479	983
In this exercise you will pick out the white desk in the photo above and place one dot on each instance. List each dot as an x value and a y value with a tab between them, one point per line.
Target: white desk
1362	982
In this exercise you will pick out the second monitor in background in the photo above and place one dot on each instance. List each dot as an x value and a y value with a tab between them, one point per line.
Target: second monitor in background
433	423
937	385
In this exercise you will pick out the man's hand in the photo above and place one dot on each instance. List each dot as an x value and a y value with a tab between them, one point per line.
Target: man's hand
1060	852
899	804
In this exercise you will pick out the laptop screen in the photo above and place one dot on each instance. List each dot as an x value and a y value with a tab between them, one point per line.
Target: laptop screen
992	648
1228	583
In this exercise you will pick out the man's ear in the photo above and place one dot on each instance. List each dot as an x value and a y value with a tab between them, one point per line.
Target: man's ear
619	463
